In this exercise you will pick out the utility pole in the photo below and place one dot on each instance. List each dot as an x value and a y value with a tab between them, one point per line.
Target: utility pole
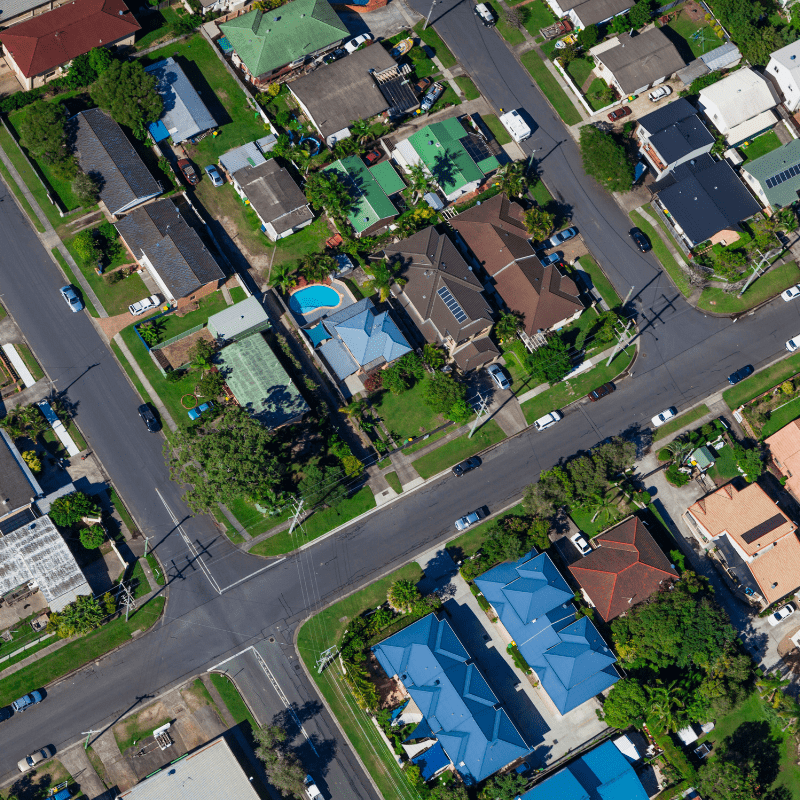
481	411
129	601
146	543
296	517
325	658
88	736
428	18
759	268
622	334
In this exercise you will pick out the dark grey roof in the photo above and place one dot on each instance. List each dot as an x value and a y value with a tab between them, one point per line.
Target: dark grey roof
640	60
681	139
103	148
274	195
396	88
172	246
694	70
667	115
16	490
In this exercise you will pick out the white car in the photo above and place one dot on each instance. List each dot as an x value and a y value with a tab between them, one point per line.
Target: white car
792	293
29	762
485	13
354	44
781	614
498	376
73	301
311	789
661	92
547	420
581	544
793	343
140	306
659	419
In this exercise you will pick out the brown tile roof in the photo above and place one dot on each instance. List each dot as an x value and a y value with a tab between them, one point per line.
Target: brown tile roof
626	568
476	353
49	40
777	571
785	449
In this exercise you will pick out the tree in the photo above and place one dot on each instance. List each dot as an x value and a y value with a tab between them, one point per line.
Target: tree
100	59
403	596
441	392
626	705
283	769
321	486
33	461
85	246
667	704
606	327
316	267
81	72
539	534
513	178
85	188
352	466
620	24
749	461
588	36
92	537
504	787
402	375
326	190
201	354
605	160
540	223
210	385
507	325
359	130
80	616
283	276
381	277
43	131
66	511
720	778
129	94
433	355
550	363
640	14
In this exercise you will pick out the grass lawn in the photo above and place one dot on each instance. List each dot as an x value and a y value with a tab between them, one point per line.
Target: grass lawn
238	294
497	128
422	65
130	730
131	374
724	468
156	569
662	252
30	362
406	414
139	580
310	239
537	16
469	542
252	520
232	699
550	88
394	482
765	379
601	283
767	286
220	202
319	523
760	146
780	417
468	87
514	354
79	652
575	333
324	630
579	70
582	517
685	27
230	531
511	34
433	40
597	85
679	422
62	262
12	184
541	194
208	306
412	448
566	392
459	449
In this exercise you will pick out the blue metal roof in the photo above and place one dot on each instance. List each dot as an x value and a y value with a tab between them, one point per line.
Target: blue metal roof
458	706
601	774
431	762
533	601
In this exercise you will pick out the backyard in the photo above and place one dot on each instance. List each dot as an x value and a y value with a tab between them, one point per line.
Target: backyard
760	146
696	34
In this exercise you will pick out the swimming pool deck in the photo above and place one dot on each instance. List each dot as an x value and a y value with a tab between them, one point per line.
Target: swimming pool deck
323	311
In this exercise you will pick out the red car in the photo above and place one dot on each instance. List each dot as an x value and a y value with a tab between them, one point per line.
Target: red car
189	172
373	157
624	111
601	391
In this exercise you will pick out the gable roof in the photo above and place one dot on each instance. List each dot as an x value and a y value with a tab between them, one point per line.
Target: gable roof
18	486
569	656
371	205
171	245
185	115
475	353
593	11
103	147
458	706
675	130
233	321
740	96
268	40
784	446
775	164
47	41
626	568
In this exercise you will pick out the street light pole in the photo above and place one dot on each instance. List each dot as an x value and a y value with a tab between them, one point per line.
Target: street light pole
428	18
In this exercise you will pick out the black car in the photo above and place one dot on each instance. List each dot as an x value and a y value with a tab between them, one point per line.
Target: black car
466	466
6	712
334	56
740	374
640	240
149	418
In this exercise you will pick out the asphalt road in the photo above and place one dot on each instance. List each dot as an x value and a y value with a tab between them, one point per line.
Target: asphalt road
219	602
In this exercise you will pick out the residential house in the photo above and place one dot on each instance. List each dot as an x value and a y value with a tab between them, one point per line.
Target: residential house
704	200
672	135
460	710
456	158
583	13
269	190
161	239
371	189
784	69
784	447
211	6
361	86
13	12
41	48
758	541
604	772
239	321
499	242
625	568
443	297
634	63
185	114
105	152
19	489
775	177
267	44
534	604
740	105
723	57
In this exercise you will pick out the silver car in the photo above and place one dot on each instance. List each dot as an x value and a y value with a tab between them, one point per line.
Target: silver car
29	762
213	173
73	301
470	519
498	376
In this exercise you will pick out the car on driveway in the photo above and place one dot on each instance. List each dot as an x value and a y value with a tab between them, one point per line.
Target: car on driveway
660	93
338	53
373	157
620	113
29	762
213	173
422	85
793	343
551	259
140	306
792	293
581	543
666	415
71	296
198	410
547	420
149	418
358	42
466	466
781	614
470	519
434	93
559	238
640	240
189	172
740	374
498	376
601	391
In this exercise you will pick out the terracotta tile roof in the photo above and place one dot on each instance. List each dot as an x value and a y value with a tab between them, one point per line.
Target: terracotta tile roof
785	449
748	516
626	568
777	571
49	40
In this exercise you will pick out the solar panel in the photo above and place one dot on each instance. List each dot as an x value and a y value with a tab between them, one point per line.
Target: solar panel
781	177
452	304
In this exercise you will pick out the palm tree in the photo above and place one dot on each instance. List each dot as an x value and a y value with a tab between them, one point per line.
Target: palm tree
680	450
513	179
421	181
605	504
315	267
354	410
12	424
540	223
382	277
283	276
359	130
507	326
668	703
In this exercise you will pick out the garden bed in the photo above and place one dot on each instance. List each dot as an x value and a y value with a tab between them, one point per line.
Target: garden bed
775	408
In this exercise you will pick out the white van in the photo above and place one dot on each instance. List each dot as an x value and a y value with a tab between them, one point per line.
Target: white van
547	420
516	125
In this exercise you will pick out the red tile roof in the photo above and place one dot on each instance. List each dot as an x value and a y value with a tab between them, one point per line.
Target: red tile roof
45	42
625	569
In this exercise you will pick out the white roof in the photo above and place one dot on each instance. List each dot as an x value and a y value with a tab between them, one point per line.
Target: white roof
687	735
627	748
741	96
788	57
751	127
238	318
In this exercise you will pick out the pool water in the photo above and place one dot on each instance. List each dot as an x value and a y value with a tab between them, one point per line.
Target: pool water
313	297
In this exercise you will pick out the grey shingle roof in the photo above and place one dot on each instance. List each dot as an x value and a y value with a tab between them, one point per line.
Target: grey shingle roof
103	148
15	487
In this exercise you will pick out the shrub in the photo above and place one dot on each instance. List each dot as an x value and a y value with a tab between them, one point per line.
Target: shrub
71	508
92	537
664	454
115	277
32	460
676	477
787	387
374	381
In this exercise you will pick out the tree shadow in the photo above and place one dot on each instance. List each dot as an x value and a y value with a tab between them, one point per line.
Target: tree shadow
754	747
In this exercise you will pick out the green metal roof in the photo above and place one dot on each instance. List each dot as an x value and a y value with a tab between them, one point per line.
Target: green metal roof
775	163
702	458
440	148
387	178
267	40
371	203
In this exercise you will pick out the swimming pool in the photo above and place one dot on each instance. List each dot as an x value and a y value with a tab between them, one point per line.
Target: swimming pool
312	297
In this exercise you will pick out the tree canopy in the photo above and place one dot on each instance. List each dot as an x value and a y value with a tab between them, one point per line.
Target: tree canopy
43	131
129	94
549	364
605	160
69	509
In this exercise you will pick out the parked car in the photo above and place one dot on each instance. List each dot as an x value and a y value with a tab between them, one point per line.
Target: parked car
198	410
422	85
660	93
189	172
26	701
724	422
6	712
358	42
470	519
213	173
335	55
620	113
71	296
373	157
485	13
466	466
581	543
434	93
140	306
498	376
312	793
659	419
792	293
601	391
740	374
523	769
551	259
547	420
559	238
29	762
793	343
149	418
640	240
781	614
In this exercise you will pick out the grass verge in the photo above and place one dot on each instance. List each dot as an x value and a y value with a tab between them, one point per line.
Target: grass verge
62	262
757	384
230	531
600	281
30	361
467	86
497	128
469	542
680	421
550	88
459	449
433	40
764	288
662	253
394	482
511	34
12	184
233	700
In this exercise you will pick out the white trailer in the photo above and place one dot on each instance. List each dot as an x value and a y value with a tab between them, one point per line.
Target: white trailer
516	125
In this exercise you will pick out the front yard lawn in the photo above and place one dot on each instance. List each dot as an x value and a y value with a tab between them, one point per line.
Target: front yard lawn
468	87
780	417
449	97
769	285
724	468
761	381
252	520
458	449
30	361
679	422
662	251
579	70
760	146
537	16
550	88
497	128
406	415
433	40
209	305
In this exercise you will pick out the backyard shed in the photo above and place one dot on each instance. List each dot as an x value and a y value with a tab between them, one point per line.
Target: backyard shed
239	320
